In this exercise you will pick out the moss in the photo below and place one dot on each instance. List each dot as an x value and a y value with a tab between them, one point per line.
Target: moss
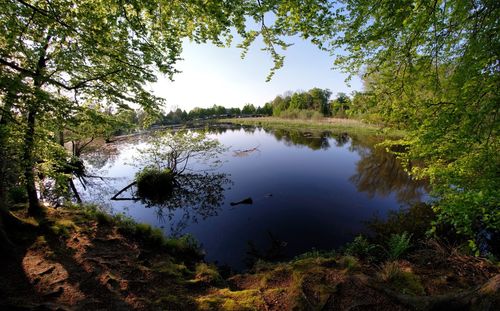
92	212
207	274
349	263
408	283
185	246
210	303
261	265
225	299
142	230
316	254
63	227
169	268
275	276
401	280
174	302
40	241
313	262
103	218
275	291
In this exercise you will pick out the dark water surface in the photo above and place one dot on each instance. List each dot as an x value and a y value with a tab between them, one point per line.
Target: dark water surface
310	190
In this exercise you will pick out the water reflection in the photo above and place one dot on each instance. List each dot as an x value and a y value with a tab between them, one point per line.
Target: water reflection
275	251
313	140
325	185
379	173
198	196
97	159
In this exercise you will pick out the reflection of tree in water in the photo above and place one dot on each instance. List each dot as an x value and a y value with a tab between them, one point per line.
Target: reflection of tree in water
97	159
417	219
313	140
380	173
198	195
275	251
341	139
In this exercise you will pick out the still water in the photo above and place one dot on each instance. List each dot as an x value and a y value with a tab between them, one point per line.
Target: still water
309	190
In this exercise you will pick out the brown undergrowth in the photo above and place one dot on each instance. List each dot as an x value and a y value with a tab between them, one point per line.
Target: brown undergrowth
86	260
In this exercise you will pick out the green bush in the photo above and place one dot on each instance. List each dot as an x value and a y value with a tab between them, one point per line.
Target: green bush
349	262
155	185
18	194
301	114
360	247
398	244
207	274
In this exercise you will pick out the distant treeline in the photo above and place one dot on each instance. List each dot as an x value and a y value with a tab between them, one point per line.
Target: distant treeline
315	103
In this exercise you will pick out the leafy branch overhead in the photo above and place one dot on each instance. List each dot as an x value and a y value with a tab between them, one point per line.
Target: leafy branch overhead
59	57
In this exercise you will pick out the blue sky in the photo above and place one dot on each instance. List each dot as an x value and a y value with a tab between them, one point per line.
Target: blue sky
213	75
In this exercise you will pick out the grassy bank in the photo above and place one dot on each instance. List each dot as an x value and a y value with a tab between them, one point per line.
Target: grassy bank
82	258
326	124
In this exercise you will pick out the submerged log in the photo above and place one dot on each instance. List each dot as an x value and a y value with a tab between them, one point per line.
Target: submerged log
244	201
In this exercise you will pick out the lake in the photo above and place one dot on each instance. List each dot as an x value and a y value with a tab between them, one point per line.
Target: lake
309	190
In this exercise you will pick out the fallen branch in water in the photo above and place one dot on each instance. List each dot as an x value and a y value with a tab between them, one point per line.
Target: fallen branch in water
115	197
244	153
244	201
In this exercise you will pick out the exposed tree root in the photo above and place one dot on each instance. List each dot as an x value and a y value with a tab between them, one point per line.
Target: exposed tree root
482	297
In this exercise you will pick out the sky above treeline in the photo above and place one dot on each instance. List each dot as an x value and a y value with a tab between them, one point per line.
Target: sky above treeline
213	75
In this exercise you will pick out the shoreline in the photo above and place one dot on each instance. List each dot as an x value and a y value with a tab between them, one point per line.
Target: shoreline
80	257
332	124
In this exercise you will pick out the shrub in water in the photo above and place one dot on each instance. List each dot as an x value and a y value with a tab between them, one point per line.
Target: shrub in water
155	185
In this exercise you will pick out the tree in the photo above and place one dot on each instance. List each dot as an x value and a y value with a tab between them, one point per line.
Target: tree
280	104
173	151
434	70
234	111
267	109
341	104
166	158
55	56
95	51
301	100
320	100
248	109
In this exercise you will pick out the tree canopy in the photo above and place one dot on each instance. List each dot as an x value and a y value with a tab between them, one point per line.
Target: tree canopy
433	68
61	57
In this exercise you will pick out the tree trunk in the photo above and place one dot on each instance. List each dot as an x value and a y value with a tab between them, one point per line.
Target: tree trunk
5	242
34	207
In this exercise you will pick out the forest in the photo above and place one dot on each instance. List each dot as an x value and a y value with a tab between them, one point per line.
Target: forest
73	73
